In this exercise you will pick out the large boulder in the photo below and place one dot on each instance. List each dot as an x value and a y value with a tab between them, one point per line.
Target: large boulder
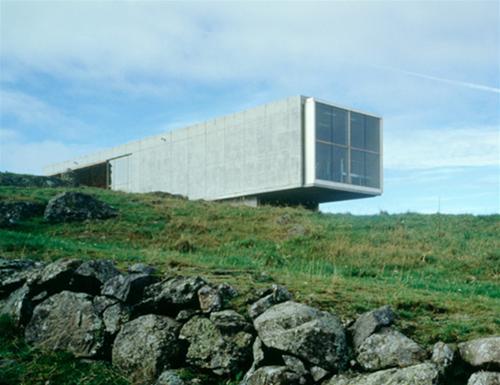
482	352
75	206
422	374
127	288
67	321
171	295
313	335
370	322
14	273
216	347
55	277
11	213
146	346
484	378
389	348
276	294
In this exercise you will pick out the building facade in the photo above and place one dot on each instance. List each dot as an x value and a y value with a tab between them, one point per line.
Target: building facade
294	151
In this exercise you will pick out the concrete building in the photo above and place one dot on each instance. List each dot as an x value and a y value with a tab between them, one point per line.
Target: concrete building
294	151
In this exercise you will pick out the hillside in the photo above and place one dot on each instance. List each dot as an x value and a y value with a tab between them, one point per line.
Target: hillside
440	273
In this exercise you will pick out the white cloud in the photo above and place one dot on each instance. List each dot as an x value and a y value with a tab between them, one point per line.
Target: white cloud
444	147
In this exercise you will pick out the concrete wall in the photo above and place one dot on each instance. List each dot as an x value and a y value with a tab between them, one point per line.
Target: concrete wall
254	151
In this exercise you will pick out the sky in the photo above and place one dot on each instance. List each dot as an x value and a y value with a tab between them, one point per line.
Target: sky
78	76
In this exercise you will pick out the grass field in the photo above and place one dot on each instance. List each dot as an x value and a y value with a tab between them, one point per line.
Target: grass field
439	272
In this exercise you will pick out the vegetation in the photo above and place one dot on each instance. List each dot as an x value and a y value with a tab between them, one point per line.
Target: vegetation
439	272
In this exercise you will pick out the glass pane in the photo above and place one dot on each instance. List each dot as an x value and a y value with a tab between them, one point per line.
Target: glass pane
339	160
372	134
323	161
323	122
358	167
357	130
339	120
372	168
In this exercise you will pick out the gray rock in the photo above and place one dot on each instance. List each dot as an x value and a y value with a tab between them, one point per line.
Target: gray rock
169	377
422	374
127	288
226	291
274	375
313	335
209	299
101	303
75	206
91	275
389	348
210	348
484	378
115	316
14	273
67	321
54	277
11	213
443	355
172	295
146	346
228	321
370	322
258	352
482	352
17	306
185	315
318	373
141	268
26	180
294	364
277	295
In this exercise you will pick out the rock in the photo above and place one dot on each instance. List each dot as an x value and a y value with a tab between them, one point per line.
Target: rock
25	180
274	375
75	206
422	374
14	273
210	348
318	373
443	355
370	322
17	306
209	299
169	377
11	213
115	316
141	268
172	294
482	352
258	352
127	288
227	292
67	321
55	277
313	335
278	294
484	378
146	346
228	321
389	348
185	315
91	275
294	364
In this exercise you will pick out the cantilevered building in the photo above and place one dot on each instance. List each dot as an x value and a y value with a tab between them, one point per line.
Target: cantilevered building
300	150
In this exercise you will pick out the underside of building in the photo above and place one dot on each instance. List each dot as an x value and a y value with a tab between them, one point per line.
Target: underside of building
297	151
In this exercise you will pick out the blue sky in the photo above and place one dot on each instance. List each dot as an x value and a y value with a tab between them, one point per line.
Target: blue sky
80	76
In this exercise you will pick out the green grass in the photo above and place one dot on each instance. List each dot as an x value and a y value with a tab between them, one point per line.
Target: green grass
439	272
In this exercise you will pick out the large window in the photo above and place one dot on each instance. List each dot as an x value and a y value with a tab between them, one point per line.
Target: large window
347	146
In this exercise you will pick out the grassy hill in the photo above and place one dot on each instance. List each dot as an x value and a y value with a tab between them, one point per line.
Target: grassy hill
439	272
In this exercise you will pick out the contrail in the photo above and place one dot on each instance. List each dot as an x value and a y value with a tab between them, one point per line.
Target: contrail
443	80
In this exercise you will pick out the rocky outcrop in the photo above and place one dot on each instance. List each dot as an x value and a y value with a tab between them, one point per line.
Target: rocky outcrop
25	180
177	330
146	346
67	321
75	206
11	213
